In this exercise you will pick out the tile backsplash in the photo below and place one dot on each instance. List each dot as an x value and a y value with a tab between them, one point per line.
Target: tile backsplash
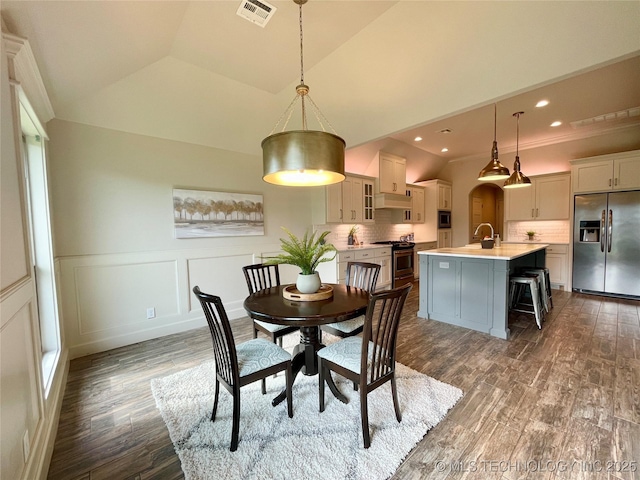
383	229
552	231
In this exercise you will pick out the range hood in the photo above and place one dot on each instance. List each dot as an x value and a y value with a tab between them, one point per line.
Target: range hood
392	200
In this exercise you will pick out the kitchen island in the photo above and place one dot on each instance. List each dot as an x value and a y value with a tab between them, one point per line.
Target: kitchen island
468	286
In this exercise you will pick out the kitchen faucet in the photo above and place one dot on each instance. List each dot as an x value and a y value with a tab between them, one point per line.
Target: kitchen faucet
481	225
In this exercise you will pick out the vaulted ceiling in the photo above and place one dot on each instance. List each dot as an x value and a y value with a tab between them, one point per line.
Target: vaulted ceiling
382	72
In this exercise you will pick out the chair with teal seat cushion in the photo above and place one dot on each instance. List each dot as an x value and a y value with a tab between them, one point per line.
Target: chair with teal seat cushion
362	275
242	364
370	360
259	277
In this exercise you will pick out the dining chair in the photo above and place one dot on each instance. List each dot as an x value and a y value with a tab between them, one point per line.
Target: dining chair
242	364
362	275
370	360
259	277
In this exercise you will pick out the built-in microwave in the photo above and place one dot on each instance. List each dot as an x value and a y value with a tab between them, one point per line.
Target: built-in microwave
444	219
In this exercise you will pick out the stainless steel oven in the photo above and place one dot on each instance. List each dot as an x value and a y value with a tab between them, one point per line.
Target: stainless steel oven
402	260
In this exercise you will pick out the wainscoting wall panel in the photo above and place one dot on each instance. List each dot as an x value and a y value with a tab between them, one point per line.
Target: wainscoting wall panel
21	413
221	276
102	291
105	297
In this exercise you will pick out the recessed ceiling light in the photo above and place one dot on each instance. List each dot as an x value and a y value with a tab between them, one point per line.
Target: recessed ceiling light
556	123
444	150
417	139
542	103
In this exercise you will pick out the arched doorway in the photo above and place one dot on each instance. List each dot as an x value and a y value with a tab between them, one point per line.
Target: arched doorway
486	205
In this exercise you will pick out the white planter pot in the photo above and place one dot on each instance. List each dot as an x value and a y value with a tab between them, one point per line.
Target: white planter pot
308	283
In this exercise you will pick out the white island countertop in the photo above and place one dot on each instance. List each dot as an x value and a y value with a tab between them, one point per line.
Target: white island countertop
503	252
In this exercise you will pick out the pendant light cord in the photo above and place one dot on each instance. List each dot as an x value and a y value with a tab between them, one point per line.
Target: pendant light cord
495	122
301	49
302	92
302	95
517	132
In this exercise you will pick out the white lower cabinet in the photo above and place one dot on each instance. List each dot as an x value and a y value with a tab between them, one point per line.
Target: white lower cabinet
558	264
383	258
336	270
416	260
444	238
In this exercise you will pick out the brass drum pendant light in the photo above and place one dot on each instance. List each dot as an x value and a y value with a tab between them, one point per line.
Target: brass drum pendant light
303	158
517	178
494	169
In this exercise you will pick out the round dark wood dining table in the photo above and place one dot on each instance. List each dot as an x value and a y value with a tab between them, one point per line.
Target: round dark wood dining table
270	306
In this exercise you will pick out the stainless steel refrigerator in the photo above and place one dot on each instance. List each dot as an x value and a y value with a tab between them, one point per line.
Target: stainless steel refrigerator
606	243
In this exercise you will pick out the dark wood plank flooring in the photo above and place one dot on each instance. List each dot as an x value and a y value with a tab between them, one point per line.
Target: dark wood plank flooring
568	393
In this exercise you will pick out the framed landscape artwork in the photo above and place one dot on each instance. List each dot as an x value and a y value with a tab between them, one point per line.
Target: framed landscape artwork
203	213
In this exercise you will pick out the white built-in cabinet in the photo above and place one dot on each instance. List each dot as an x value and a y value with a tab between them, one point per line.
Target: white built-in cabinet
350	201
444	238
618	171
392	174
548	198
437	194
444	195
416	213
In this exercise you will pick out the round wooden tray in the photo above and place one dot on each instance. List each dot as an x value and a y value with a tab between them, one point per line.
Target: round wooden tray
290	292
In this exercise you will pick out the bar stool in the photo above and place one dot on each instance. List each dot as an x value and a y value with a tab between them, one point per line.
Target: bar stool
517	285
545	285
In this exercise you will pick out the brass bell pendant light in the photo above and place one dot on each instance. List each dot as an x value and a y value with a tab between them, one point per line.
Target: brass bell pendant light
517	178
494	169
303	158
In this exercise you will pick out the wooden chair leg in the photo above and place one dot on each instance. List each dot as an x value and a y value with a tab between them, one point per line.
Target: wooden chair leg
364	416
215	401
396	404
236	420
321	371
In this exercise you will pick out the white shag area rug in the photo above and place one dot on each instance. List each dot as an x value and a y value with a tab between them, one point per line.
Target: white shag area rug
310	445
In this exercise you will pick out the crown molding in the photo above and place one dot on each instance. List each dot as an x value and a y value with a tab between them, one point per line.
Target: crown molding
25	71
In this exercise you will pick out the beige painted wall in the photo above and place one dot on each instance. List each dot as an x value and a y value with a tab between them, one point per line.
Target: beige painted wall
113	214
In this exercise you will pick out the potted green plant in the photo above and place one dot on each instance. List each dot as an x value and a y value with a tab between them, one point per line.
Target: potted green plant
306	253
352	235
531	234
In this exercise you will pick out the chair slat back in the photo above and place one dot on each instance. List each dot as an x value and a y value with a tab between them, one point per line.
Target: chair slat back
381	332
363	275
261	276
224	347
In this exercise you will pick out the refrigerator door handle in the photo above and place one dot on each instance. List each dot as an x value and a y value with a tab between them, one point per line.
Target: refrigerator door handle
602	231
610	237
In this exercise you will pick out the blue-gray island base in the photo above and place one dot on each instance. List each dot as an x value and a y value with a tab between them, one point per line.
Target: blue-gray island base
468	286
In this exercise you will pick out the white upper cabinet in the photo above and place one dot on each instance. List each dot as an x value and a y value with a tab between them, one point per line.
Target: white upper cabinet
618	171
444	196
548	198
416	214
392	176
350	201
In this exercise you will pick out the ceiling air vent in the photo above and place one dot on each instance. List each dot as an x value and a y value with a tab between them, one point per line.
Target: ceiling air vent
256	12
